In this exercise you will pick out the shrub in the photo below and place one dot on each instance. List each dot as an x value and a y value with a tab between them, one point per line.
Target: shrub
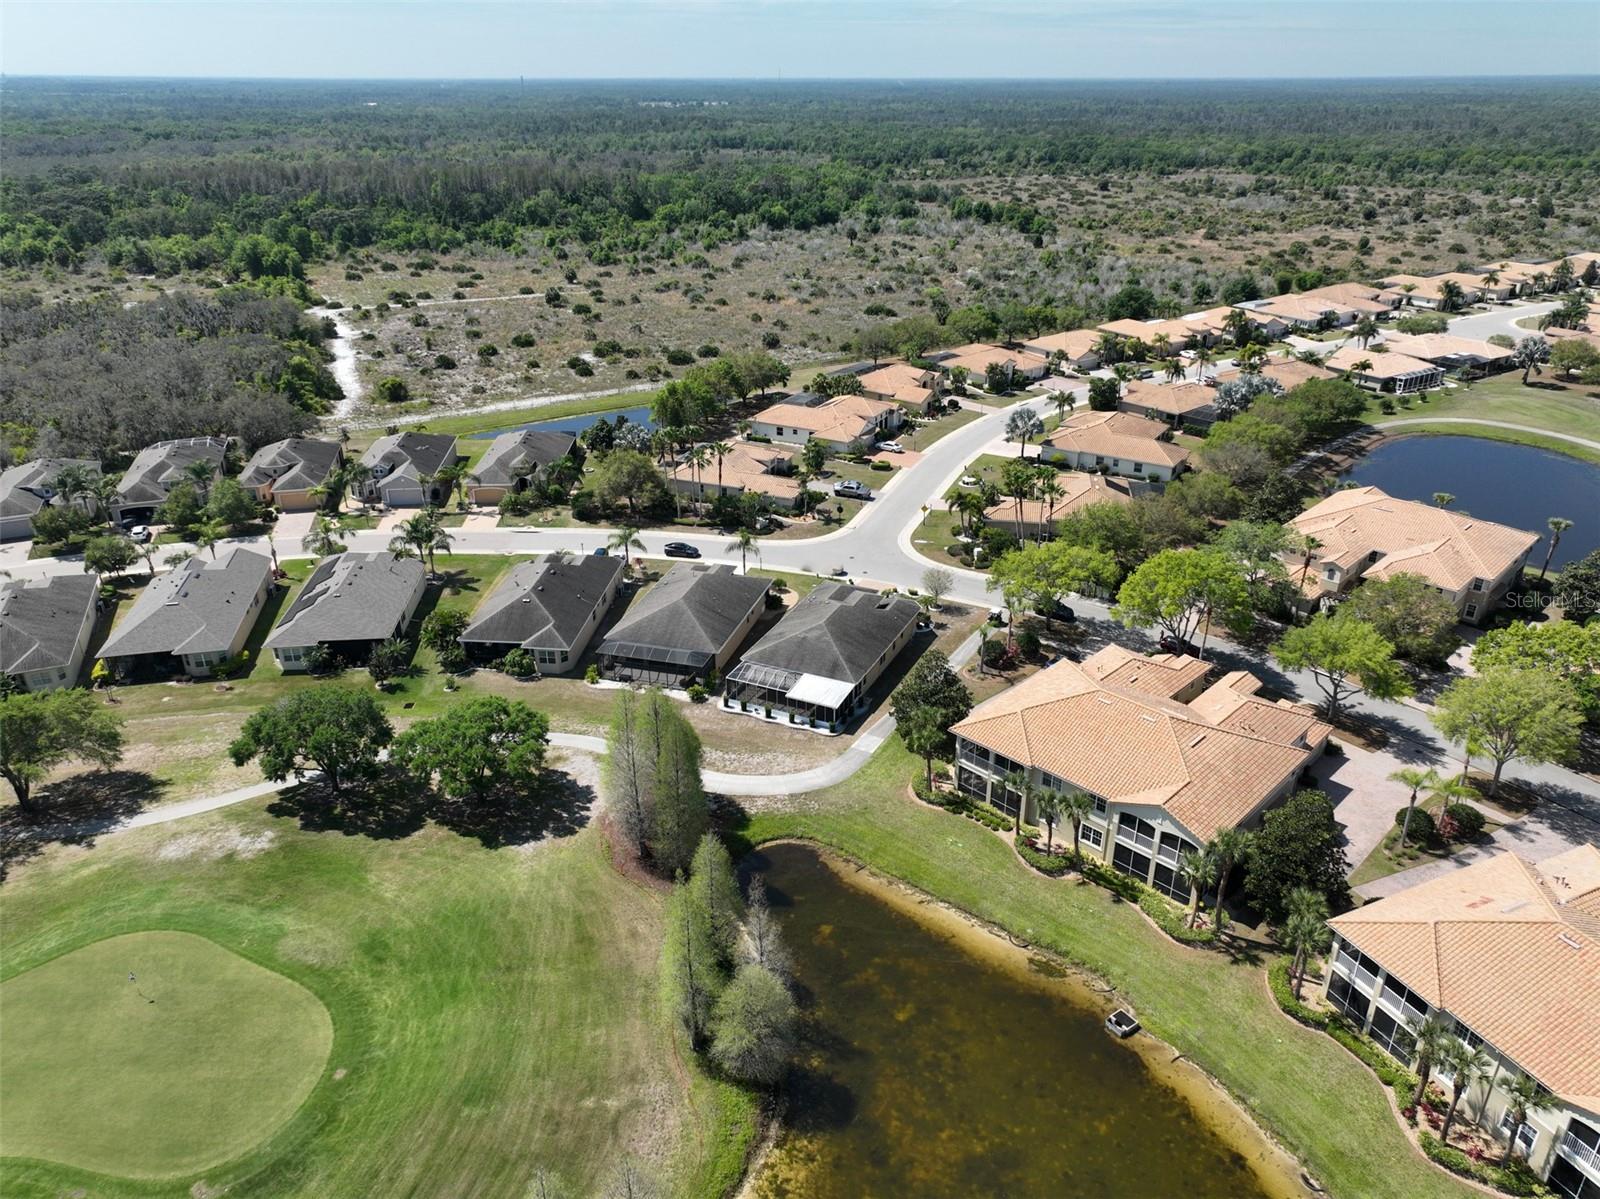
1467	822
444	362
994	653
1422	826
1173	920
697	693
1028	643
592	675
1386	406
1054	864
679	358
519	663
877	465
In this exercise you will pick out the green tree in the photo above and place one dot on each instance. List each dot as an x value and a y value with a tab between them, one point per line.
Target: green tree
753	1027
109	555
322	540
1104	394
1468	1067
39	730
1344	657
1415	779
1076	807
388	660
336	730
1524	1096
627	479
716	889
744	541
1531	354
1022	426
392	390
1579	589
1560	648
924	736
1021	782
230	504
1411	614
1177	590
442	629
1305	931
1434	1037
1300	844
1229	849
1112	528
691	975
931	694
1510	712
481	745
679	813
1199	866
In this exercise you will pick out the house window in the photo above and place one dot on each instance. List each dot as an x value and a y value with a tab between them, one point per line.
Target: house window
1402	1001
1526	1135
1091	836
1099	806
1393	1035
1174	884
1467	1037
1330	574
1477	584
1130	861
971	783
1141	833
1007	800
1344	996
1472	611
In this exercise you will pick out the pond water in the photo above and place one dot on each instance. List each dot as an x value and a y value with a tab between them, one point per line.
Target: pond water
1515	485
938	1060
573	424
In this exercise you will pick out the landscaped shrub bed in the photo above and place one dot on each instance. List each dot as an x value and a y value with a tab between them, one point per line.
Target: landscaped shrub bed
1174	921
1514	1179
1054	864
954	801
1393	1075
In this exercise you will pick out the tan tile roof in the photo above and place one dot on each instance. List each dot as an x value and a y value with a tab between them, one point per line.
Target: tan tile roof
1137	747
843	418
1177	331
1510	949
1303	307
1081	490
1164	675
1384	365
1291	372
1117	435
975	358
1447	548
901	381
1075	343
1355	295
1431	346
1175	399
747	467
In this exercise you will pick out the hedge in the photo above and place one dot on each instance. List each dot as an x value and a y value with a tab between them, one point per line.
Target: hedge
1516	1179
1393	1075
1053	864
1174	921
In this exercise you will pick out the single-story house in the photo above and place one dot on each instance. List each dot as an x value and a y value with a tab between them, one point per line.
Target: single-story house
976	359
838	423
1448	351
1038	517
45	625
29	487
1288	373
1166	773
1367	301
1079	348
1505	953
193	618
1177	404
550	607
816	666
350	603
1116	443
1270	326
765	468
286	472
687	626
516	460
1303	310
1377	370
912	387
1427	291
402	469
1177	332
1366	533
158	468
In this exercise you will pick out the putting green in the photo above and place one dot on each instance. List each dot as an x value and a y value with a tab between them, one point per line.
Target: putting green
197	1058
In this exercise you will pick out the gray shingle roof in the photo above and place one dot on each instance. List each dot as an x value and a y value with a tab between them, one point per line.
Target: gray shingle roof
293	464
196	608
159	466
694	608
406	457
543	604
520	454
349	597
26	488
836	632
40	619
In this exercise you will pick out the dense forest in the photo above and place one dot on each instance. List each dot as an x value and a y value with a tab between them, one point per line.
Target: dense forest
179	173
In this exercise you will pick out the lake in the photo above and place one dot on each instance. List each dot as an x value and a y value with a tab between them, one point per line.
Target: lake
1515	485
573	424
938	1060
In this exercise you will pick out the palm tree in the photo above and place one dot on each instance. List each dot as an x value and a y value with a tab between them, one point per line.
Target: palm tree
1448	789
439	542
1051	808
1230	847
1307	546
1306	930
1434	1039
200	473
75	482
1443	499
1075	808
1359	367
1468	1067
1064	402
412	537
1124	373
1050	492
1366	330
1203	357
1022	426
1200	868
1416	779
720	450
1524	1097
1451	297
744	541
625	538
323	539
1161	343
207	533
1174	370
1557	526
1251	359
698	459
1237	326
104	490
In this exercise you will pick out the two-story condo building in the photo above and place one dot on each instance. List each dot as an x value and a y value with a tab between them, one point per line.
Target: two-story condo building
1168	761
1507	954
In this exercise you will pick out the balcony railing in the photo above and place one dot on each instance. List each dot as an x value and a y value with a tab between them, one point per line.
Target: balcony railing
1581	1153
1367	981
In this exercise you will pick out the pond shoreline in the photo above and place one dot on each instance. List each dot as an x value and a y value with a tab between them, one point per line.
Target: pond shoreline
1280	1174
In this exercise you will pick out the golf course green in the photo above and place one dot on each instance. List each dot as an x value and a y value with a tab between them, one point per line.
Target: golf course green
153	1055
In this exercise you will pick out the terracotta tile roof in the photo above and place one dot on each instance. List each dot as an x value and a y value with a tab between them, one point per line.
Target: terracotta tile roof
1384	365
1117	435
1081	490
1447	548
901	381
842	418
1075	343
1510	949
1174	399
749	466
1430	347
1304	307
1177	331
1134	747
975	358
1164	675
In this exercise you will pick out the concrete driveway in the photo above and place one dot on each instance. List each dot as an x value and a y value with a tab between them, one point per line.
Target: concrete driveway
1364	798
292	528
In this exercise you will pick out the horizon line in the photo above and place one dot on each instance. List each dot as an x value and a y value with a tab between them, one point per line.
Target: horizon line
1593	77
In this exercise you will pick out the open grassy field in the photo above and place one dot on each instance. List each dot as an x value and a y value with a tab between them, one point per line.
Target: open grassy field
1302	1086
494	1012
154	1055
1560	408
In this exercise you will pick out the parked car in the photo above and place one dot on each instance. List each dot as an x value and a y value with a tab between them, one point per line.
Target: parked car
1147	373
680	549
600	551
890	447
139	534
969	480
998	618
1176	645
1057	611
850	489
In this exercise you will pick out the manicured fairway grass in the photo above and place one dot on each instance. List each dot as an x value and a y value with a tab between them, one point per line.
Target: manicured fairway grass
190	1062
1319	1100
495	1012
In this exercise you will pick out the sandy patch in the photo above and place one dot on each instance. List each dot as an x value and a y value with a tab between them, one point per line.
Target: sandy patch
214	844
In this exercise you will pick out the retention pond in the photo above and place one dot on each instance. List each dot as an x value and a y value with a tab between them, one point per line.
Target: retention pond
939	1060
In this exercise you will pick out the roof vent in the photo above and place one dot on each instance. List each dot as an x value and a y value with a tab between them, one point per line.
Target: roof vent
1569	941
1201	737
1514	906
1147	716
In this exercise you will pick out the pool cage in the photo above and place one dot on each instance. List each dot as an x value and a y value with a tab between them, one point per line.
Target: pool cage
654	665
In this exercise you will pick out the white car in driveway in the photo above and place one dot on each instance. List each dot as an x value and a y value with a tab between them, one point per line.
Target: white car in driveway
890	447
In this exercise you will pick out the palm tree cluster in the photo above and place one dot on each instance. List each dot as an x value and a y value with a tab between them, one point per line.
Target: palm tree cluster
423	536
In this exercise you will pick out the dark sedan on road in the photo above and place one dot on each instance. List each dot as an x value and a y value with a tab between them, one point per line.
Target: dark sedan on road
680	549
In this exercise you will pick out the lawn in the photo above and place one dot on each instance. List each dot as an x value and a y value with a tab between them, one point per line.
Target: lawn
154	1055
494	1012
1301	1085
1560	409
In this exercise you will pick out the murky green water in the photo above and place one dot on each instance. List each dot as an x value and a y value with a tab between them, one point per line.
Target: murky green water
937	1061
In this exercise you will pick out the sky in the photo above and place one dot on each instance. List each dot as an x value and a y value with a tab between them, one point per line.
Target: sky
874	39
